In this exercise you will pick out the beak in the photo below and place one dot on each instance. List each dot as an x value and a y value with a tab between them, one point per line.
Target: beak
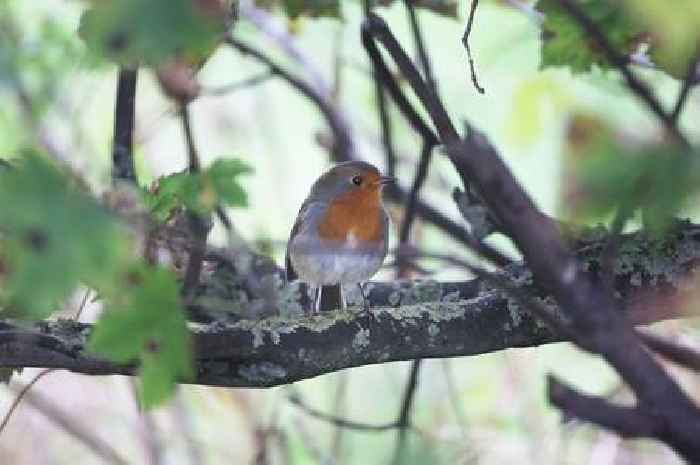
384	180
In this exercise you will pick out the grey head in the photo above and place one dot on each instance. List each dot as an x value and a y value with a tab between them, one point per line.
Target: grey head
344	177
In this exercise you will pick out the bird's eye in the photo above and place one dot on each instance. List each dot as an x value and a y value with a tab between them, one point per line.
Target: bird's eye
357	180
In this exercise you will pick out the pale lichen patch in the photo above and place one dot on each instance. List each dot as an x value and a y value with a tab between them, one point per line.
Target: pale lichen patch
361	339
433	330
516	315
451	297
411	314
262	372
394	298
258	338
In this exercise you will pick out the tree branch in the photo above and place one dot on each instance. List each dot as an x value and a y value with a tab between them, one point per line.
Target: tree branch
692	78
682	355
465	43
403	421
198	224
628	422
340	422
124	117
86	435
409	320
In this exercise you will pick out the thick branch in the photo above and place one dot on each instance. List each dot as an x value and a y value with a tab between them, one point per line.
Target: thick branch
409	320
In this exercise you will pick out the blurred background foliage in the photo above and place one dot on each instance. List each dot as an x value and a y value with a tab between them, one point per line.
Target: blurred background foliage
566	125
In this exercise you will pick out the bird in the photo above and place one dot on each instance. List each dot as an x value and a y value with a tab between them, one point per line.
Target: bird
340	236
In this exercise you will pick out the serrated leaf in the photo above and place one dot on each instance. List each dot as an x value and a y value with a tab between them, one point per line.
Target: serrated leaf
224	176
150	31
200	192
54	237
145	321
566	44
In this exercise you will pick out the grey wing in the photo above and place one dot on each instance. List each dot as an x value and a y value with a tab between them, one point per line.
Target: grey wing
289	269
302	218
387	225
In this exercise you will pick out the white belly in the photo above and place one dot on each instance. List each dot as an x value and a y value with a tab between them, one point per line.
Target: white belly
348	267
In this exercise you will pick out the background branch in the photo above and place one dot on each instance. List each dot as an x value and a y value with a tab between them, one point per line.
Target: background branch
124	118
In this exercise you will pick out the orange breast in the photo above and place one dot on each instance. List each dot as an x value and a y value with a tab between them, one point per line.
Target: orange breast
357	212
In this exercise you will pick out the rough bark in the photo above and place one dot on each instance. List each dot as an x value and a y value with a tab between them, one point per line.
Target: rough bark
408	320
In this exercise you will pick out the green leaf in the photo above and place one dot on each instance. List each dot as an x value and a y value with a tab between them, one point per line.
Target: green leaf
605	172
54	237
144	320
313	8
565	44
149	31
200	192
224	175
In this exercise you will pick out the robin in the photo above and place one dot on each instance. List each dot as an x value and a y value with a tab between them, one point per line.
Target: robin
340	234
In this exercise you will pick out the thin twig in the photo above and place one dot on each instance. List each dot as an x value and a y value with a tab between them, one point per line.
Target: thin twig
465	42
124	116
403	420
428	141
420	45
183	420
418	181
409	112
383	110
236	86
343	143
192	157
278	33
85	435
20	396
691	80
341	422
153	449
457	408
198	225
311	443
451	228
81	307
339	409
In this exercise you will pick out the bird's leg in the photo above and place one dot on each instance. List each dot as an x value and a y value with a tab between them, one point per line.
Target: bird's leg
317	299
343	302
365	302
